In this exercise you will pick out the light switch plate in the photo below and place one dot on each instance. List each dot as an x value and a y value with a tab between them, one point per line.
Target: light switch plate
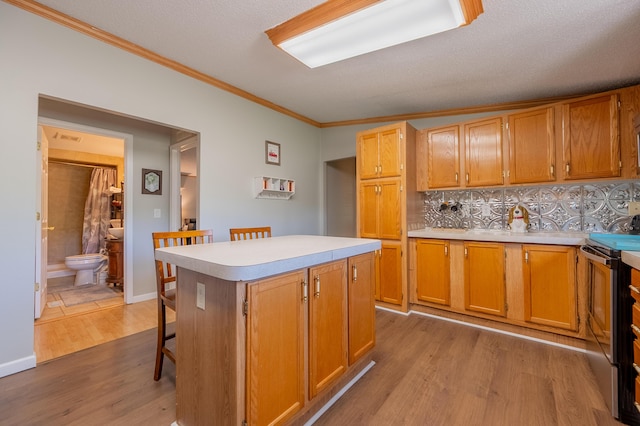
634	208
157	213
200	296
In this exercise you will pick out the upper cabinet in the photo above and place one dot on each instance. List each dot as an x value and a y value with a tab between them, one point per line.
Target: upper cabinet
483	152
380	154
531	146
590	138
438	152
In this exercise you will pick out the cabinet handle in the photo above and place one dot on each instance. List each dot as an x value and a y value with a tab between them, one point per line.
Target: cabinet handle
456	177
446	250
467	177
552	170
634	289
354	273
316	279
635	366
635	328
526	257
305	291
466	252
567	167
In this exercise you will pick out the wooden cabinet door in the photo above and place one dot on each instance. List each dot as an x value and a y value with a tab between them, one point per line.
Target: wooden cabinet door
484	282
432	271
390	153
380	209
531	146
389	209
327	325
483	152
390	273
591	139
362	332
550	285
275	349
368	156
443	157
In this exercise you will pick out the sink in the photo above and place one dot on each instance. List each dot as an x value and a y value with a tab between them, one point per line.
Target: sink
117	232
116	223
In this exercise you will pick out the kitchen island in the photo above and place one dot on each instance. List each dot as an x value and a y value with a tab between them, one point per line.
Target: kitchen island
269	330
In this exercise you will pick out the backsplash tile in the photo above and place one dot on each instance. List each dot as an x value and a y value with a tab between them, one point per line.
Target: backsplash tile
593	207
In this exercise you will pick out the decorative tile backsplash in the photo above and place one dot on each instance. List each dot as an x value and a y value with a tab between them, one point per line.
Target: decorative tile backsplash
592	207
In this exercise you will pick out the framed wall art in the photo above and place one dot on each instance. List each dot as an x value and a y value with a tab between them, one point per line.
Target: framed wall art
272	153
152	181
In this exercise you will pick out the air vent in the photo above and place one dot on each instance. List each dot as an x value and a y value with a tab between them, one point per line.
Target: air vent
67	138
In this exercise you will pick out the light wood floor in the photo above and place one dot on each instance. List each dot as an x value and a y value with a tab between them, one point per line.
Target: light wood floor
427	372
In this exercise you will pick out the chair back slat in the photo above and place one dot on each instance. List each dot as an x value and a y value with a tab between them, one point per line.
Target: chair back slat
236	234
165	272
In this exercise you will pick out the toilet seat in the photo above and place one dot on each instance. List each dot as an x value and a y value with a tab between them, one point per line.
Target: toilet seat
84	258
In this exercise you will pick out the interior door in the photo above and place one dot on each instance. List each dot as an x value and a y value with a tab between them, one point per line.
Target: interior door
42	225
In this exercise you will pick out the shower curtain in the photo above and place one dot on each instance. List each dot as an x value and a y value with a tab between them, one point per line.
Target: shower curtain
97	210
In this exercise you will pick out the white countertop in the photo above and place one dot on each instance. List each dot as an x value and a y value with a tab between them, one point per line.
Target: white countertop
560	238
631	258
248	260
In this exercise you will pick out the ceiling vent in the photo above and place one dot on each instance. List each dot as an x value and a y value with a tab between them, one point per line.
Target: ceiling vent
67	138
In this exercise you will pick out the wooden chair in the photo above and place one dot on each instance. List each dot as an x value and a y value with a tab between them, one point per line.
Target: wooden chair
166	273
249	233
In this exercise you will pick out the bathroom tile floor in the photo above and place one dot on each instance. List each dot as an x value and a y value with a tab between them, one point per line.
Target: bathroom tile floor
55	308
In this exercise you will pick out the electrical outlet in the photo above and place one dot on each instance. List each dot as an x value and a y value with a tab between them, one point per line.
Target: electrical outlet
486	210
157	213
200	296
634	208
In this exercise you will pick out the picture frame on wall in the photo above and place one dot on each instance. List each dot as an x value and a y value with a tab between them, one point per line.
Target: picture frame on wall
272	153
152	181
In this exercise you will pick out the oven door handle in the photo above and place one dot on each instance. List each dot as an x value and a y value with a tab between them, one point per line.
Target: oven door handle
595	256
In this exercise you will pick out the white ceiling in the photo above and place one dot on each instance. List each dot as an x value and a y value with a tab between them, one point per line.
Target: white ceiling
516	50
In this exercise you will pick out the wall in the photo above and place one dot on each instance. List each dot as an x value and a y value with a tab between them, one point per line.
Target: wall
43	58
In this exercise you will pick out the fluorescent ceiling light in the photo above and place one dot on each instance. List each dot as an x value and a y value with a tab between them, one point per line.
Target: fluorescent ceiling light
337	30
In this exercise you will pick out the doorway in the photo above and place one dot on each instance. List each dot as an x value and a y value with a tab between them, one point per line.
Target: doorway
71	154
340	206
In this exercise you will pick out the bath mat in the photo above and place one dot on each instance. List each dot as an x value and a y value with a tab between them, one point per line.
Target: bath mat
86	294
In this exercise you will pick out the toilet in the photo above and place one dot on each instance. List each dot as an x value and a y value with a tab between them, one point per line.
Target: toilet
85	265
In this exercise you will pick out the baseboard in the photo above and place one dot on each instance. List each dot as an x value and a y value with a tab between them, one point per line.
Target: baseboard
17	365
143	297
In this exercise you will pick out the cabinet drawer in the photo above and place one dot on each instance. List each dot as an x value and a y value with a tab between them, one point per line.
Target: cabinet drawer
636	315
637	391
636	352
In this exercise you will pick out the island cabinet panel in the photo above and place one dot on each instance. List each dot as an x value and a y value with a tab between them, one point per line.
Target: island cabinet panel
210	350
531	146
591	138
438	152
484	278
328	322
550	285
361	283
483	152
432	271
275	349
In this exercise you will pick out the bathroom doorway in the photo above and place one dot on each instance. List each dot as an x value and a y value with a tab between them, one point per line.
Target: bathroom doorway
71	153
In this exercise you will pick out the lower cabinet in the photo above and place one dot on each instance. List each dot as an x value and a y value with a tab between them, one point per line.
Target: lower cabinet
115	253
336	302
530	285
550	288
432	271
389	270
484	278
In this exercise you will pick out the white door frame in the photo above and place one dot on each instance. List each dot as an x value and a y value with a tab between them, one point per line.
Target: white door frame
175	207
128	192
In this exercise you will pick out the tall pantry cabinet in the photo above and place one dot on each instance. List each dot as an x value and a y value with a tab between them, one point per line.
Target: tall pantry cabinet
386	191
